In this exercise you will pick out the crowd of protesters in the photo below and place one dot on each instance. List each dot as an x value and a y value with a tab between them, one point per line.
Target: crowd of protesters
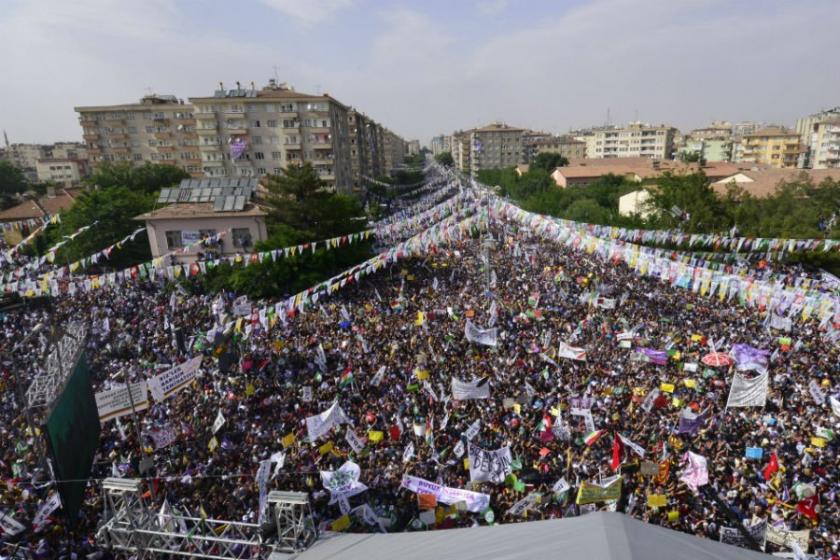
404	326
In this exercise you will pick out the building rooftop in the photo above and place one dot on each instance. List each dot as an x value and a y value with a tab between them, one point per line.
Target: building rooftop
772	131
44	206
762	183
195	210
498	127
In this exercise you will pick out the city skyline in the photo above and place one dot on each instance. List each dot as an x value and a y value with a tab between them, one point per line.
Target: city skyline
430	68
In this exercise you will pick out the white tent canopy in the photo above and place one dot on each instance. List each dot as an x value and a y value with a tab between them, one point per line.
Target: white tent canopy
597	536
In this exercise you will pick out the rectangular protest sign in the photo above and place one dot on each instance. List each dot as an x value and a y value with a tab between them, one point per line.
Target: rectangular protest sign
474	501
748	392
478	389
485	337
489	466
320	424
593	492
116	402
166	384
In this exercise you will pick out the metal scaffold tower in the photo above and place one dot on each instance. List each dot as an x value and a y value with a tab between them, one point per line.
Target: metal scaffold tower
130	525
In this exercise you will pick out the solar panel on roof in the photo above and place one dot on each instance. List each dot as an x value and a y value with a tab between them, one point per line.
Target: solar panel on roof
205	195
173	195
218	204
216	192
195	194
164	195
229	202
239	204
184	195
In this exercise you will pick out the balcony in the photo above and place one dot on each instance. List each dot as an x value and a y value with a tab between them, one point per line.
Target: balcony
163	135
169	161
204	116
91	136
213	163
114	120
167	149
119	136
292	145
214	130
236	128
120	149
210	147
234	110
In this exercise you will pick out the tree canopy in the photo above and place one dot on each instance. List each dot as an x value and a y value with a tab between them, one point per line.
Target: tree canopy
445	159
549	162
149	177
12	182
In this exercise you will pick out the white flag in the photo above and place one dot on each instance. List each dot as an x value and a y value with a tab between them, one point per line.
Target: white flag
485	337
462	391
571	352
320	424
748	392
408	453
219	422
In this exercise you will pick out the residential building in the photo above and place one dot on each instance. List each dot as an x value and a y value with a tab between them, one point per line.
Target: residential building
395	149
495	146
59	171
461	153
762	183
26	157
50	204
776	147
747	127
636	202
817	134
158	129
438	144
365	147
585	172
824	145
245	132
412	147
718	129
635	140
566	146
708	149
200	208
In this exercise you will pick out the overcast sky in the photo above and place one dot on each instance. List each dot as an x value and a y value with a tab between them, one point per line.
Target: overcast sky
431	66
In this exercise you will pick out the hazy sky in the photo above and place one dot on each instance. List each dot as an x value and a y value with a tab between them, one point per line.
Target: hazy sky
430	66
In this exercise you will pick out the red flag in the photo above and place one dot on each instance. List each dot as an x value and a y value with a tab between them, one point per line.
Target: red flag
617	448
772	467
808	507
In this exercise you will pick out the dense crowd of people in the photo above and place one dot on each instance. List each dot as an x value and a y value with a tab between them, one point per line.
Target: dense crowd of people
386	348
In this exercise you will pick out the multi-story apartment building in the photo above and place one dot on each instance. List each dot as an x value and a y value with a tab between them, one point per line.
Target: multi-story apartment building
62	171
776	147
818	139
395	149
707	149
412	147
635	140
437	144
495	146
566	146
159	129
27	156
362	146
245	132
461	153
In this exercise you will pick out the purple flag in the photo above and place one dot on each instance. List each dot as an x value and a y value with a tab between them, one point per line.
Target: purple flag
658	357
696	473
238	145
690	423
749	358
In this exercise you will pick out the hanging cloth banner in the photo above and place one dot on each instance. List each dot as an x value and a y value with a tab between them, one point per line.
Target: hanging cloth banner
571	352
748	392
489	466
485	337
320	424
463	391
475	501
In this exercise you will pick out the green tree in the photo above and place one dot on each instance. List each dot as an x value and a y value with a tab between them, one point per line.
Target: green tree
549	162
445	159
114	209
12	182
702	210
148	177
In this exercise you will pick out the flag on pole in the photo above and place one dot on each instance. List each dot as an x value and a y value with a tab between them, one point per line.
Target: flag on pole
592	437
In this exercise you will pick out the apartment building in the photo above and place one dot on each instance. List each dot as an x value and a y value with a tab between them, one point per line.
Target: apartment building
159	129
26	157
395	149
566	146
495	146
819	139
775	147
634	140
363	148
245	132
439	144
707	149
61	171
412	147
461	153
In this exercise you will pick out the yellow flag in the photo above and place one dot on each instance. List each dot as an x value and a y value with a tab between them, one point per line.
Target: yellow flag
250	390
238	326
657	500
818	441
517	408
422	374
326	448
375	436
341	523
288	441
466	463
421	318
667	387
214	443
673	515
690	383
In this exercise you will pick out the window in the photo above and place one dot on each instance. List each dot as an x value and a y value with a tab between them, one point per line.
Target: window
241	237
272	124
259	155
138	157
276	155
173	239
150	129
255	124
261	171
205	233
278	170
257	139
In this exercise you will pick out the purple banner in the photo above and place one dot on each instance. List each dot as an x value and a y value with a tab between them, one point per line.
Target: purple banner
658	357
238	146
749	358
